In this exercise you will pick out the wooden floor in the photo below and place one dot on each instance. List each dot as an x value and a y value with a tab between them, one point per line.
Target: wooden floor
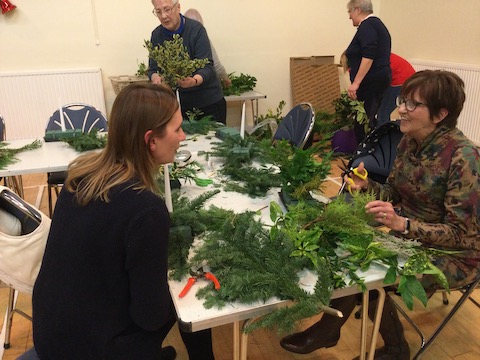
460	340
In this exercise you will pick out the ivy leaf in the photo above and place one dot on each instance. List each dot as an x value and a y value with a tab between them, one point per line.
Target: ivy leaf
391	275
275	211
409	287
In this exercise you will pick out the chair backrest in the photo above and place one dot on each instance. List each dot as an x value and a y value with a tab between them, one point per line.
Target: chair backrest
3	132
23	235
378	151
78	116
297	125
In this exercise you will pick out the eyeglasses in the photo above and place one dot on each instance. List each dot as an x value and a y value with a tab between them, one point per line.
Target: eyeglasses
410	105
166	11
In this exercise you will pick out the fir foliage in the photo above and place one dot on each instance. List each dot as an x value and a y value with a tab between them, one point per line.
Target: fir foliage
7	156
240	174
87	141
254	262
240	84
196	123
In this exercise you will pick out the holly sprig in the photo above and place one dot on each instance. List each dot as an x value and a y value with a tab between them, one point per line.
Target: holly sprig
174	60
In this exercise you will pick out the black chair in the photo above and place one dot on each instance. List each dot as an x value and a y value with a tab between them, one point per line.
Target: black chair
30	354
23	235
13	182
425	344
3	134
297	125
75	116
378	152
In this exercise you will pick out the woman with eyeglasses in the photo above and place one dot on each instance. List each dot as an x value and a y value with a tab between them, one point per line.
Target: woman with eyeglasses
203	90
102	290
435	182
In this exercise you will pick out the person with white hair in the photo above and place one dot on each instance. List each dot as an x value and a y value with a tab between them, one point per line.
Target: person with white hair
222	74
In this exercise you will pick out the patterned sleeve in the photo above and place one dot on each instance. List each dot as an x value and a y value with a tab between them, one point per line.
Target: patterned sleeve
461	227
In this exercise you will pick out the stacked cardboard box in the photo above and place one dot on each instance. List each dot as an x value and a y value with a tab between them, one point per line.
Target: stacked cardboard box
315	79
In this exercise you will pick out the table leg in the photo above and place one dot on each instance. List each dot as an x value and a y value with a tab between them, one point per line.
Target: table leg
242	124
363	329
254	111
236	340
15	183
376	322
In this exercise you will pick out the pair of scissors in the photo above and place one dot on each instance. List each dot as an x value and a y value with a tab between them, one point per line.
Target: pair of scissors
350	181
199	273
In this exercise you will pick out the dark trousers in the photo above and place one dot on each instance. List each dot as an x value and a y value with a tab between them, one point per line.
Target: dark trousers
371	93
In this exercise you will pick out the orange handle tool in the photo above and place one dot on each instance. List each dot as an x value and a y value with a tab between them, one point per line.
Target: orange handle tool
212	278
187	287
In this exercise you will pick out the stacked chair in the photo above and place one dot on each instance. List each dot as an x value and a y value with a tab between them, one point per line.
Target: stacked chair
23	235
75	116
297	126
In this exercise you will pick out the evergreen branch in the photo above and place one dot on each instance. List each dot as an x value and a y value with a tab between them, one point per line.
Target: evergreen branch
7	156
173	60
87	141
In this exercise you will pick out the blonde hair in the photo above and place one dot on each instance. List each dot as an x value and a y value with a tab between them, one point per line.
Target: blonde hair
344	62
137	109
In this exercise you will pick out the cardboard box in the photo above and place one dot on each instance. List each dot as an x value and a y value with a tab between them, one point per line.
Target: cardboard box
315	79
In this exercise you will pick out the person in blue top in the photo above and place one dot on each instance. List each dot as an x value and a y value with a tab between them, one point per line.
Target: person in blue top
369	60
202	90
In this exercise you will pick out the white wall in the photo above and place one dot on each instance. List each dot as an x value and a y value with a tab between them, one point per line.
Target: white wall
251	36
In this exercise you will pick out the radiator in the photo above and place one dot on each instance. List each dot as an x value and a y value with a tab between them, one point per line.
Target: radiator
470	74
28	99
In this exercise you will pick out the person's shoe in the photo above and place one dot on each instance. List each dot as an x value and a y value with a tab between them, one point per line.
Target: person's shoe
309	340
168	353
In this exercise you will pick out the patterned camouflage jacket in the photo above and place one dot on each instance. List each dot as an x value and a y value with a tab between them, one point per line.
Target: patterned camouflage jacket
437	185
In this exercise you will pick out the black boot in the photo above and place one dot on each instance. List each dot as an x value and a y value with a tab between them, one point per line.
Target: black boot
391	329
168	353
324	333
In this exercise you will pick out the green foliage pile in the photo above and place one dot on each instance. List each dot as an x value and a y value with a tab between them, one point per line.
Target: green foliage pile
240	84
87	141
300	171
254	262
196	123
349	111
7	156
142	69
240	175
173	60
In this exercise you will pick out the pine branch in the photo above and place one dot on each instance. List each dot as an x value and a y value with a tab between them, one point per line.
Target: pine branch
7	156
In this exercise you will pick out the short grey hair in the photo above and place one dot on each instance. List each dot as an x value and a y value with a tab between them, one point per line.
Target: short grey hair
364	5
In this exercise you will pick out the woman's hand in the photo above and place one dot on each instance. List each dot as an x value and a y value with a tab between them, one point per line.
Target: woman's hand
156	79
385	214
352	91
358	183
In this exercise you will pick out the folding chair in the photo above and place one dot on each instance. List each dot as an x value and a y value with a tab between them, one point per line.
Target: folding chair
13	182
378	151
23	235
425	344
297	125
74	116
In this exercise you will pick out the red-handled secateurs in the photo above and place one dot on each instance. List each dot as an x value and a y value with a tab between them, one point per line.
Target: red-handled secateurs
197	273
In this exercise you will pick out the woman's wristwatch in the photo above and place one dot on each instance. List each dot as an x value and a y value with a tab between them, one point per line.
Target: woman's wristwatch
407	226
